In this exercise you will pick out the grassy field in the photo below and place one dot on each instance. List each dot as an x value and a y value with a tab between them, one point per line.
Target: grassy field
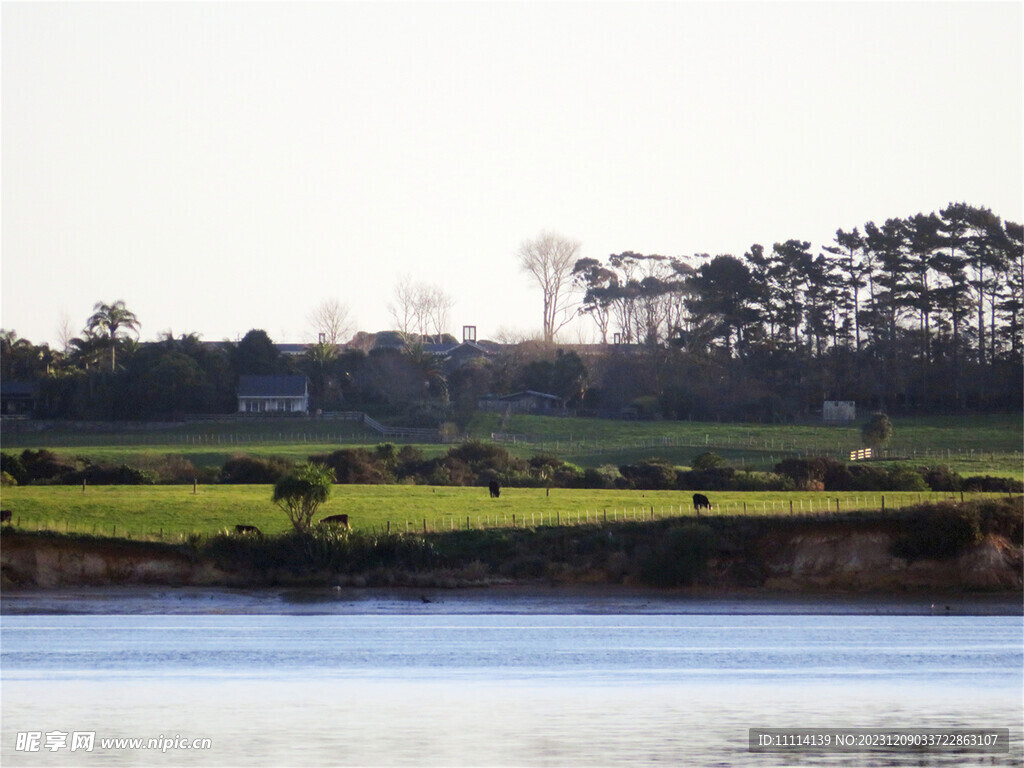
975	445
175	511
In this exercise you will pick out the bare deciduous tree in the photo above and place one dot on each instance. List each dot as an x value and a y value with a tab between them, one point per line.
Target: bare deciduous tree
331	322
550	259
420	309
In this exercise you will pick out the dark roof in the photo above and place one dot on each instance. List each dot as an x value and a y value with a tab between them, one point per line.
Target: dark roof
17	389
271	386
291	349
529	393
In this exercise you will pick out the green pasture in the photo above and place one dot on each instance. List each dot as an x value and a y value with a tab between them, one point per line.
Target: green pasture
175	511
970	445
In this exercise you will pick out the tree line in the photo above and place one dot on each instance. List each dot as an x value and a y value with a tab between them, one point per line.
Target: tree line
919	313
922	314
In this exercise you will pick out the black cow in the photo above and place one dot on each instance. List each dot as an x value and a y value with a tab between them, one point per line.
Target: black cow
5	515
495	489
700	501
247	529
339	520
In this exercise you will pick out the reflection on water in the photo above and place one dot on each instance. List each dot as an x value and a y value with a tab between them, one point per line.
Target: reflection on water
440	687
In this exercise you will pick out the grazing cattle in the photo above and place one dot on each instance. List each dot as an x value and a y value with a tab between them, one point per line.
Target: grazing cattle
700	501
495	489
5	515
341	520
246	529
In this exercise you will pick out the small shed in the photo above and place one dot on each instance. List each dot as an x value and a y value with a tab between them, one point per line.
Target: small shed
273	394
839	411
527	401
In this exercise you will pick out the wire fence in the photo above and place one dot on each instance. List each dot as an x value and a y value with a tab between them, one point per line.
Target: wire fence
813	506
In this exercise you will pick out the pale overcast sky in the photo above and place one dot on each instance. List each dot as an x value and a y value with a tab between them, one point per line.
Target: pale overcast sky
222	167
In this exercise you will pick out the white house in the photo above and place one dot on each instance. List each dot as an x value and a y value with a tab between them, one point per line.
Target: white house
273	394
839	411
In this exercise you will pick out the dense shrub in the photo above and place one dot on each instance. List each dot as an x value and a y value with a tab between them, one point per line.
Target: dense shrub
1003	517
12	465
450	471
103	474
711	479
761	481
904	479
936	531
989	484
7	479
708	460
679	557
34	466
359	465
321	549
254	470
480	456
809	474
174	469
942	478
649	475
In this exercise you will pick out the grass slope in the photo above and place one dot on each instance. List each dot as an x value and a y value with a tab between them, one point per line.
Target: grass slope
174	511
970	445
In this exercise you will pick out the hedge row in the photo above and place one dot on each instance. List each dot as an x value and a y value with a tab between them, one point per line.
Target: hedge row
478	463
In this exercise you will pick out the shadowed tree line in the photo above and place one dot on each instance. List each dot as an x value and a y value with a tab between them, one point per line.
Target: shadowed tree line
923	313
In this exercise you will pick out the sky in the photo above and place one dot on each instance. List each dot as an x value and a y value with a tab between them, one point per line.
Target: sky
228	166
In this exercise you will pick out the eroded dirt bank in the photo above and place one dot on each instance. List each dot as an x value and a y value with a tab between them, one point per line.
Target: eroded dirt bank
811	558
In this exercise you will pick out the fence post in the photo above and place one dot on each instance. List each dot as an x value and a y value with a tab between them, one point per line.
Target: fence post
883	503
791	506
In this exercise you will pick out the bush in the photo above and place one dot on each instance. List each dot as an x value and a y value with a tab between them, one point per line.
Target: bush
809	474
649	475
942	478
905	479
708	460
480	456
253	470
1003	517
714	479
679	557
34	467
988	484
301	492
877	431
7	480
358	466
936	531
173	469
102	474
13	467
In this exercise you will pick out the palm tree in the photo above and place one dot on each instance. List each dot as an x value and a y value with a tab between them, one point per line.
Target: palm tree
107	322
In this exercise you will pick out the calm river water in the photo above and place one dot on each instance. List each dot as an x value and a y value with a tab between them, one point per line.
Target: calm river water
492	679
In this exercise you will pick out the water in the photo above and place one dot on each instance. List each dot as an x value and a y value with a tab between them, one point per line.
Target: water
324	678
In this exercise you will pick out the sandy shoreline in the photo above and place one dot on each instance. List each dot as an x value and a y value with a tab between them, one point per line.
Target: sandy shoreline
513	599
